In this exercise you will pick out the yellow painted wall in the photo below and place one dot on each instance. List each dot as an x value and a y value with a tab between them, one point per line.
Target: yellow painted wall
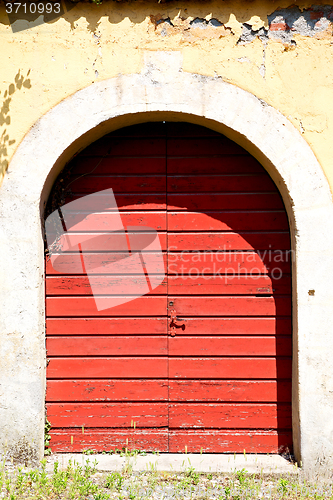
44	64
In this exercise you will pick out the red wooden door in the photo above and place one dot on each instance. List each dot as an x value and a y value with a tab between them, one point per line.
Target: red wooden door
202	362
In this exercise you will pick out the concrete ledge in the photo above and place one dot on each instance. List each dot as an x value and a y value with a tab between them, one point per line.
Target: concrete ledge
176	462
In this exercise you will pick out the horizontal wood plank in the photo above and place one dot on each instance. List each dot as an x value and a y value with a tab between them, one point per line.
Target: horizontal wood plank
220	183
229	368
73	441
81	285
107	390
178	346
210	441
177	285
126	368
193	368
220	441
229	346
86	306
148	326
145	415
226	164
235	326
119	184
189	202
85	221
223	221
118	165
268	391
106	326
204	146
110	262
231	306
230	390
229	241
126	202
107	346
229	416
226	285
224	201
185	306
233	263
126	146
108	242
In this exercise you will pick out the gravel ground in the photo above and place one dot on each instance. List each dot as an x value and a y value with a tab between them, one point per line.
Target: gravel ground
85	482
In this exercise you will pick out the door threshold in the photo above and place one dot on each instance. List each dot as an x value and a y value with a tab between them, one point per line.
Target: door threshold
179	462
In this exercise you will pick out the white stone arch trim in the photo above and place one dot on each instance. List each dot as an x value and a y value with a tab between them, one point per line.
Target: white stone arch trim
163	91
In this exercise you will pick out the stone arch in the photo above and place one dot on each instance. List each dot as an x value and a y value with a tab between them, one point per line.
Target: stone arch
162	91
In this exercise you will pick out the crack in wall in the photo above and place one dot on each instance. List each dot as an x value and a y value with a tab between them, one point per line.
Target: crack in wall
249	34
197	27
204	24
262	69
284	24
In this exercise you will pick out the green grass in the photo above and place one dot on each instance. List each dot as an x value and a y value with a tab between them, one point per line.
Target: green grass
84	482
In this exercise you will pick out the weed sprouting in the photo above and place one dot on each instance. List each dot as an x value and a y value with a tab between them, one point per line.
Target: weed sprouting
283	486
114	481
227	491
84	482
89	451
241	476
47	437
101	495
193	476
60	479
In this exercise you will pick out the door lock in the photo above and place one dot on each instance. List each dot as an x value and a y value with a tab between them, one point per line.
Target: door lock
173	323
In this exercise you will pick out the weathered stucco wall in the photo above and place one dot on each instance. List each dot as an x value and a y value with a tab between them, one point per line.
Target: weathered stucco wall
280	55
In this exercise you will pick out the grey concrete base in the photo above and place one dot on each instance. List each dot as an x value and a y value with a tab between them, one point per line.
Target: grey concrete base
259	464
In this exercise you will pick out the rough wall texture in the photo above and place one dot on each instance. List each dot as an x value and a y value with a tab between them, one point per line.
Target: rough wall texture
279	55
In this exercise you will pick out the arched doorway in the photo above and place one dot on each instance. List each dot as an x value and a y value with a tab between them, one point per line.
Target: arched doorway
203	361
164	92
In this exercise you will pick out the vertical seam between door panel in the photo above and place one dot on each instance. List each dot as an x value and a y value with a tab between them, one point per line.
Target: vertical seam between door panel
167	272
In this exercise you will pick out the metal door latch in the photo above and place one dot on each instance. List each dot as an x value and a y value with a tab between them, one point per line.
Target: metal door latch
174	318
